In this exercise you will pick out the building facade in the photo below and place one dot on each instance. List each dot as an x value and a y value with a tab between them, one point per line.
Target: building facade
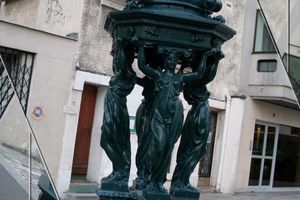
256	129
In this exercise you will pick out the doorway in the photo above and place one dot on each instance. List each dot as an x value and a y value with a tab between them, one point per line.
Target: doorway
264	149
84	131
205	164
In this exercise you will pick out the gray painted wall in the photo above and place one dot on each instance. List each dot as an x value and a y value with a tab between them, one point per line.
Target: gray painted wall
51	83
60	17
14	128
95	43
228	76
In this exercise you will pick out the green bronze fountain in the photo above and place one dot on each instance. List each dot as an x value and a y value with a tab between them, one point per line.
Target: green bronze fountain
177	44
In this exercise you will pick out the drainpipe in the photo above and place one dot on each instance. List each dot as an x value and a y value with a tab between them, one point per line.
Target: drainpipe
224	141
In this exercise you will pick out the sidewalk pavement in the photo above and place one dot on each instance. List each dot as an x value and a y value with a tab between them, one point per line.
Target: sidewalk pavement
14	181
10	188
214	196
252	196
15	167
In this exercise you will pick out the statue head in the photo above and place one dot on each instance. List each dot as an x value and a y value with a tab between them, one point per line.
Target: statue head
171	60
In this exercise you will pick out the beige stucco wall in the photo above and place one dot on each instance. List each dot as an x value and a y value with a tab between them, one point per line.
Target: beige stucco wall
95	42
230	66
276	13
50	86
59	17
259	110
14	128
23	12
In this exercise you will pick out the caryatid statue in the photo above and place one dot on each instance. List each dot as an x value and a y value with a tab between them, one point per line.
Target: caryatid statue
143	115
175	32
165	119
196	129
115	137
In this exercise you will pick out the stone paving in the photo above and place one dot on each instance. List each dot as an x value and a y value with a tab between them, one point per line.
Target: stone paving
252	196
17	165
9	187
214	196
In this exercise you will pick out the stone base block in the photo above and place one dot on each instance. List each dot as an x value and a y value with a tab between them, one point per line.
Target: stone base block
183	198
114	186
156	196
186	195
138	185
117	195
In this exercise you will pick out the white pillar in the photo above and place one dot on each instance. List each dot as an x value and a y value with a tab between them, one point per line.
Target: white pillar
65	168
231	143
2	9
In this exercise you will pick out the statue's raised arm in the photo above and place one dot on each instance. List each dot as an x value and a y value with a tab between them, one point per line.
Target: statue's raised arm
200	68
123	58
211	69
147	70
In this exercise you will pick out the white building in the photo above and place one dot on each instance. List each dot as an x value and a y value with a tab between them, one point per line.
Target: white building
256	128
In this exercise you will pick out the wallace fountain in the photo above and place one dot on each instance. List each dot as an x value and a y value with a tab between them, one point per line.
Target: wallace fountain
177	44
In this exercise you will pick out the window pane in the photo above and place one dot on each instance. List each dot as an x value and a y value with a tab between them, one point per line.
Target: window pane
267	172
259	33
287	168
255	171
267	66
270	141
259	134
263	41
294	67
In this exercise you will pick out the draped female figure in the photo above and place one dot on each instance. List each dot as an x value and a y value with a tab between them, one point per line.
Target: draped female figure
115	137
196	127
166	118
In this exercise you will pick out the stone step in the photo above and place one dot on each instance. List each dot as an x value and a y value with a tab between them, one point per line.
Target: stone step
83	188
81	196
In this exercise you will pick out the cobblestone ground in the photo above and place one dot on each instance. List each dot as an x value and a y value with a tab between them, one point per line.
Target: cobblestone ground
17	165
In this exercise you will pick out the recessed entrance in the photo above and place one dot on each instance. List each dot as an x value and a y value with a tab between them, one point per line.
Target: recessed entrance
205	163
84	130
263	155
287	169
275	156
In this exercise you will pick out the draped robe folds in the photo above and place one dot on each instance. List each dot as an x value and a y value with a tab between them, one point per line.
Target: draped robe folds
194	135
115	138
166	123
142	130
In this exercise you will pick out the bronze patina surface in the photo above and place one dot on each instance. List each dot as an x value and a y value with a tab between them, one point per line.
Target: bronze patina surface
177	44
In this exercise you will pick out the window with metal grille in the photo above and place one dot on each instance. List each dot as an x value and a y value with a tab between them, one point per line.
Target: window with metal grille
6	90
19	65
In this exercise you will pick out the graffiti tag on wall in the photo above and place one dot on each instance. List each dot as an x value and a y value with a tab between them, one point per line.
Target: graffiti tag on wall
55	13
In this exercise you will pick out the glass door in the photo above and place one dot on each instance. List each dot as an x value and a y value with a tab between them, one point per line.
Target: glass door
263	160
